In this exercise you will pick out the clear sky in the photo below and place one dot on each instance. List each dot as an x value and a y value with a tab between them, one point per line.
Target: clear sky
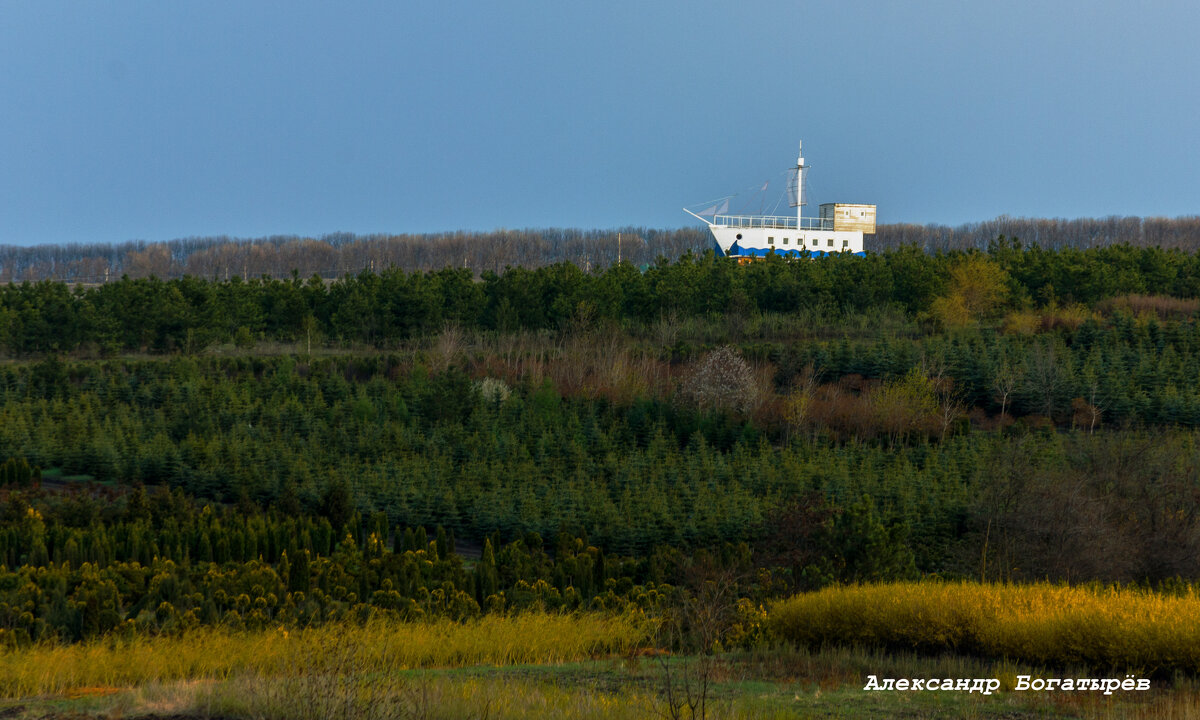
158	120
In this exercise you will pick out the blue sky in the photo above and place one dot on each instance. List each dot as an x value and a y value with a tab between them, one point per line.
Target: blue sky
158	120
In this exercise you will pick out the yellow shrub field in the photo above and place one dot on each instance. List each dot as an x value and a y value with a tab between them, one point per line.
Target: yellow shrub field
1111	628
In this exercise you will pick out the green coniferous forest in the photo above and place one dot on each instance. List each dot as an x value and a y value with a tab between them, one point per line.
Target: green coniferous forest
870	406
290	453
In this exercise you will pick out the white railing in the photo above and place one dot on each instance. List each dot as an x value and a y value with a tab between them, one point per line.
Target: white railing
783	222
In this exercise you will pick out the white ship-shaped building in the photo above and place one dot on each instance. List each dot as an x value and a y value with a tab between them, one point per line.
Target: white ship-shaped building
840	227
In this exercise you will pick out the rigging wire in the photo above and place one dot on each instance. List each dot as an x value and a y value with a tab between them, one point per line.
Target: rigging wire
750	194
760	193
779	200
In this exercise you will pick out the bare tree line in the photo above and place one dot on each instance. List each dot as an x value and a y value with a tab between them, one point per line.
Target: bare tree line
1181	233
336	254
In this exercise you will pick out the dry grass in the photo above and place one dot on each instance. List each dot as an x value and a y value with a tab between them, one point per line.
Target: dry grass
425	697
219	654
588	365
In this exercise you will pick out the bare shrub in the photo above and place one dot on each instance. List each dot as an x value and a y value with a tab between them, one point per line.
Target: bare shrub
1086	413
1022	322
799	403
621	375
666	328
906	405
1162	306
702	616
448	348
1069	317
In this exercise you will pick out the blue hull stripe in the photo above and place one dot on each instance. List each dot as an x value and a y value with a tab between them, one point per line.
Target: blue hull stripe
763	252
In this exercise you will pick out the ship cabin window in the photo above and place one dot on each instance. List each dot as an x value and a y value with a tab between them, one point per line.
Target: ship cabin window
830	242
785	241
770	241
845	243
815	241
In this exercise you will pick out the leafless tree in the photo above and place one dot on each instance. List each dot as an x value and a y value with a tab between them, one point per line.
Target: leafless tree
1005	382
697	623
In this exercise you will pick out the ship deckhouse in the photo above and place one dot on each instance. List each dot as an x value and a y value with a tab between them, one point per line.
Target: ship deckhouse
839	228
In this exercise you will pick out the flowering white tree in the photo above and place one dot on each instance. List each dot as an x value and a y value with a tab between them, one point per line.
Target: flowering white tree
722	380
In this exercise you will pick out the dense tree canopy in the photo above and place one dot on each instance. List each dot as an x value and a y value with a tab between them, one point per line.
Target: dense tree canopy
382	309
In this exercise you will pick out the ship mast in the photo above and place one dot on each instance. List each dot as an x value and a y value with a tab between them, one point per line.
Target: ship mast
796	189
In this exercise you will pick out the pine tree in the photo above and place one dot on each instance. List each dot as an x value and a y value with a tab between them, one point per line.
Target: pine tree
443	549
284	569
300	578
486	577
137	507
337	505
600	573
288	502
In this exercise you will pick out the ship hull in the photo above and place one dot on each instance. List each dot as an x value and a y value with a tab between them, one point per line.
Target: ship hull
761	241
